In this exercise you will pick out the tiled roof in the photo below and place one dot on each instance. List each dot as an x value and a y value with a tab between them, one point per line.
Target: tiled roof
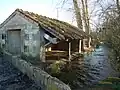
59	27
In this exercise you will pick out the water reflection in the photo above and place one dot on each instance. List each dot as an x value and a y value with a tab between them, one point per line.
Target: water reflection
99	60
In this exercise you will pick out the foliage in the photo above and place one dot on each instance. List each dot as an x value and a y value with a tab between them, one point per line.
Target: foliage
112	79
112	40
110	34
56	66
114	82
76	73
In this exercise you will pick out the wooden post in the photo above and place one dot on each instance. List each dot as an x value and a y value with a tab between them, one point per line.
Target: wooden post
80	46
89	42
42	53
83	43
69	51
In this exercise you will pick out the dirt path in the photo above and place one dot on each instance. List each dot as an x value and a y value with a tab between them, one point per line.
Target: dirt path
13	79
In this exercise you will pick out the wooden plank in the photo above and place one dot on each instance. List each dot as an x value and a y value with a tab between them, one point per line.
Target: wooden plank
80	46
69	51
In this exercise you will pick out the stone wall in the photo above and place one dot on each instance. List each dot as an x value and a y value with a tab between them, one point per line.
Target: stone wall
28	28
42	78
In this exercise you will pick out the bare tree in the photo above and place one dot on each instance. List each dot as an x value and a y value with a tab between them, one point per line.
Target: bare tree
118	6
78	14
117	3
83	14
86	19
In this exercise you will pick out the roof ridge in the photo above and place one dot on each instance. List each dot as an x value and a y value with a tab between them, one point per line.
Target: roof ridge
18	9
62	27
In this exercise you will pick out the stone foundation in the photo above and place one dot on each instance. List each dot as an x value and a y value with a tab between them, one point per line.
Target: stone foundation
41	78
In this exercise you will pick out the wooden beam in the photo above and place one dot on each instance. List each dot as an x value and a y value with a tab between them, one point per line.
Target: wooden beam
42	52
80	46
69	51
49	38
84	41
89	41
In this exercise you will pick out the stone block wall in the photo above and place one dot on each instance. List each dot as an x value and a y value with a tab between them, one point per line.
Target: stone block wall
28	28
41	78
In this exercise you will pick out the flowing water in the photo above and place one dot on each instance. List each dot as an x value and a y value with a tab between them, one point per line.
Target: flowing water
99	58
13	79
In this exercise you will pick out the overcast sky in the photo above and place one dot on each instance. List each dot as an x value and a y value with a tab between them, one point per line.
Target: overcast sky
42	7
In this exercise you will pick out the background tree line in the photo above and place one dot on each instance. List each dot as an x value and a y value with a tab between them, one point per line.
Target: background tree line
109	32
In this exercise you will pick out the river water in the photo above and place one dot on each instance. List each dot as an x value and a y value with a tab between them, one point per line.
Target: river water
99	58
13	79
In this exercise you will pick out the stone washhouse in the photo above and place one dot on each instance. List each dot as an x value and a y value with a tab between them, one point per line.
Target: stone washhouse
33	34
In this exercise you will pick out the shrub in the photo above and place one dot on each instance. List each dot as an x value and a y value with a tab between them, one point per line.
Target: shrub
56	67
76	73
114	82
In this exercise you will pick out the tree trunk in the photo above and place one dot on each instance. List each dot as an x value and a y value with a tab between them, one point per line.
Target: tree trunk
88	23
78	18
118	6
84	15
78	15
86	19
